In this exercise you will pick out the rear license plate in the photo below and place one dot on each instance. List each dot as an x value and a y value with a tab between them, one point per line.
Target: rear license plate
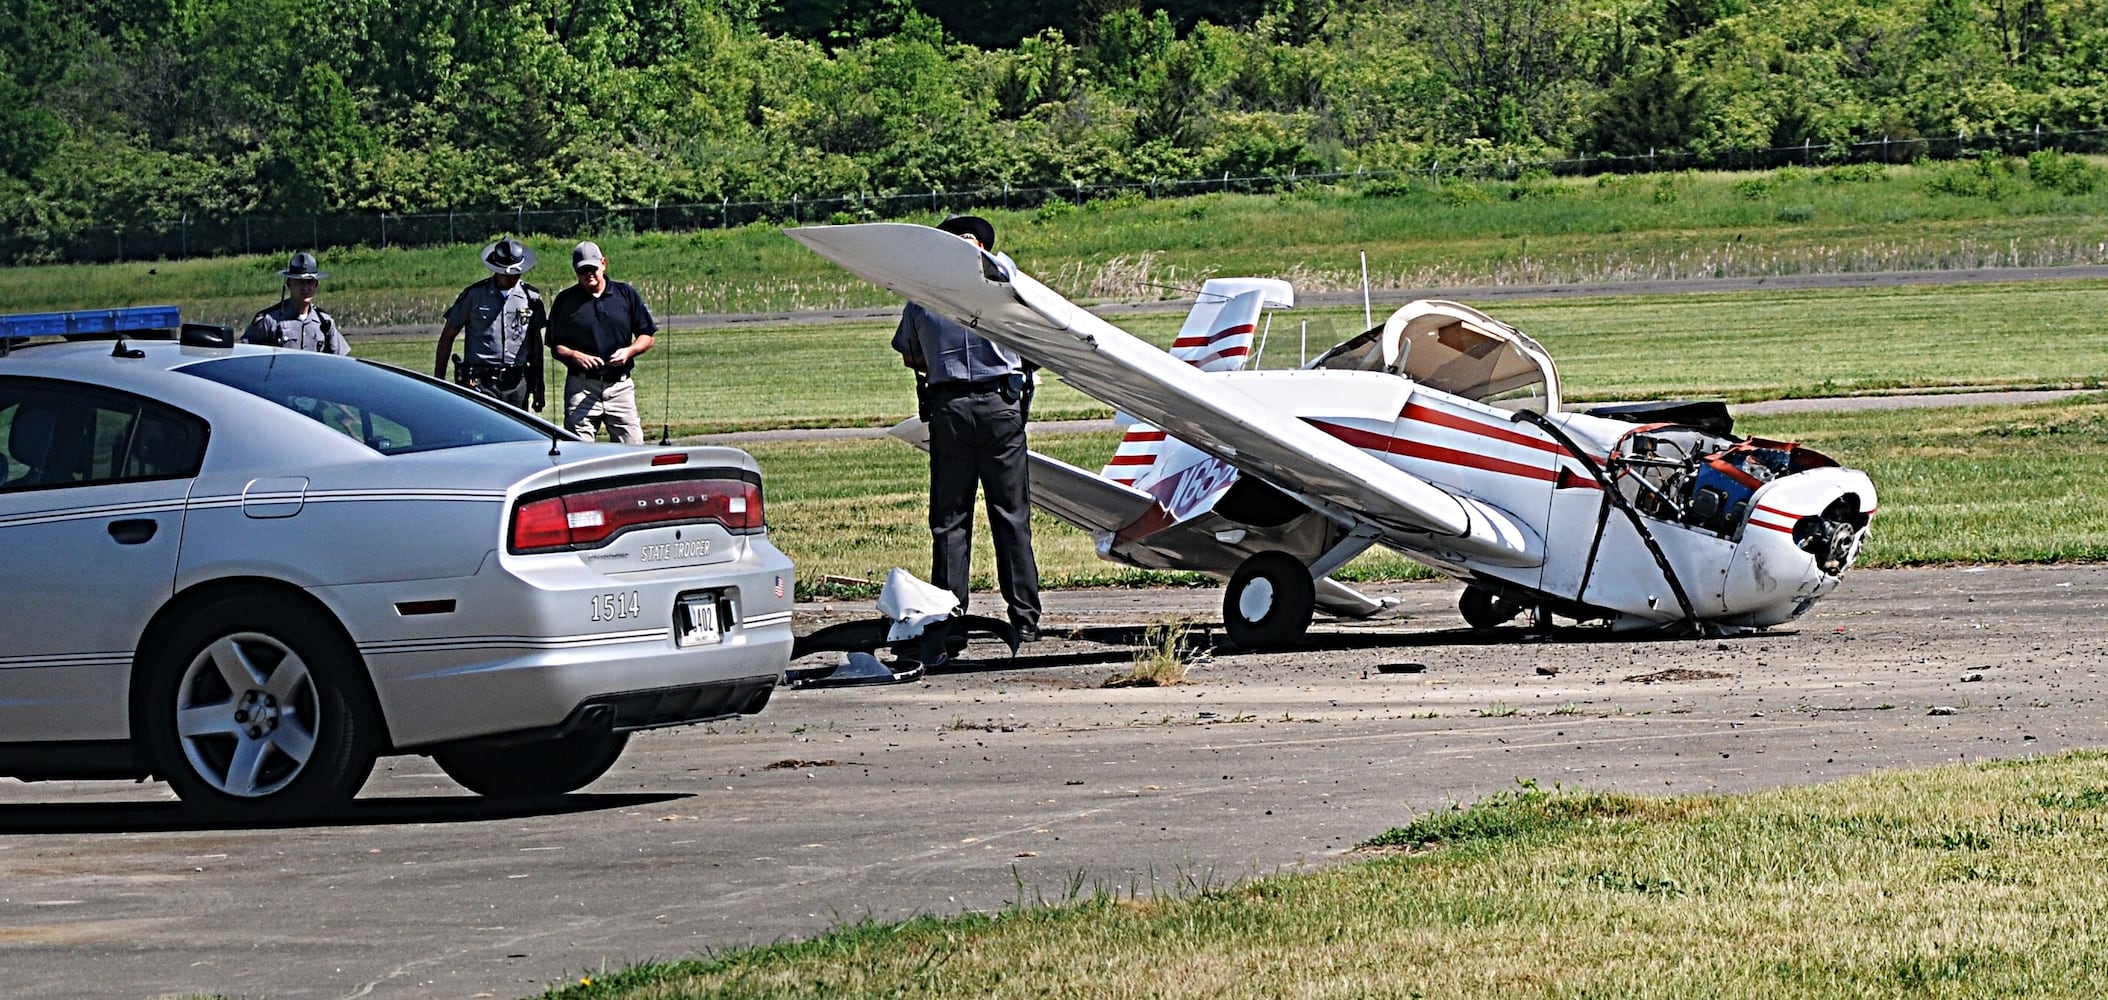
698	620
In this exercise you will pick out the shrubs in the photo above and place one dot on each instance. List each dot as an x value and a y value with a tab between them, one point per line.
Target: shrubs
2051	170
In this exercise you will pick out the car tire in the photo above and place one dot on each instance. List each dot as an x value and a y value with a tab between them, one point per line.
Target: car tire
534	770
255	707
1269	601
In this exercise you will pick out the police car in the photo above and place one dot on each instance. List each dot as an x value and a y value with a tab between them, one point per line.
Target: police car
249	571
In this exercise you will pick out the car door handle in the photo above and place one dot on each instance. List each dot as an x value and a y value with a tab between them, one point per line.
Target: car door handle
134	531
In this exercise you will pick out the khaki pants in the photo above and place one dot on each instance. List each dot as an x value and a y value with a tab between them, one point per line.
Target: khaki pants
590	404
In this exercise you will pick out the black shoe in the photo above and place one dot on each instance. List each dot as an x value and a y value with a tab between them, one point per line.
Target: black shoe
1027	633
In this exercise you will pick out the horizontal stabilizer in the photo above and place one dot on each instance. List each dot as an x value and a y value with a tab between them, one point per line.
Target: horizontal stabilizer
1091	503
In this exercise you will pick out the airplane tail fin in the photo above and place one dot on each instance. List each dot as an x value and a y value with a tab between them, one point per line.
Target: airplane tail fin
1217	336
1218	333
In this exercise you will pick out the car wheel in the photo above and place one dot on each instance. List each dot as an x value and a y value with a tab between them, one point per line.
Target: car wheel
1483	608
1269	601
255	708
534	770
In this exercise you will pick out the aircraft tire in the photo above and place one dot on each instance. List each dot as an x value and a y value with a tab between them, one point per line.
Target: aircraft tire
1483	608
1269	602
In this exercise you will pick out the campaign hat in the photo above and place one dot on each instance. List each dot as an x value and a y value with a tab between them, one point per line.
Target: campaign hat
971	225
508	256
303	266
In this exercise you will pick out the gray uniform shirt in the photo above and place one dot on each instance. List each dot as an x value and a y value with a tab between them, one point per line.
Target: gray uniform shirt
282	325
951	352
495	322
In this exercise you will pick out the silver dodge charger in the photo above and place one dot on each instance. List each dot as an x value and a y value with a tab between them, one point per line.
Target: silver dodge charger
249	571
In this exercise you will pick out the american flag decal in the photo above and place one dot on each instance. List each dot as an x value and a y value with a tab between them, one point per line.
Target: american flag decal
779	586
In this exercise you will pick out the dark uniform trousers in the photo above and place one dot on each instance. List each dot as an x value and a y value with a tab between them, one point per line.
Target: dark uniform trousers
977	438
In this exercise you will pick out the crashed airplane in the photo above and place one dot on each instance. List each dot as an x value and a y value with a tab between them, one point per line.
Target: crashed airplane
1438	434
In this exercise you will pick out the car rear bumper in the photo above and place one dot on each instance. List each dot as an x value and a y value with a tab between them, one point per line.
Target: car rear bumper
512	658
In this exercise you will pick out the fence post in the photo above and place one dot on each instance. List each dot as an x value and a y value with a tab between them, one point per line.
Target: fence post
245	235
119	233
1225	180
519	218
724	211
384	230
450	226
183	241
655	213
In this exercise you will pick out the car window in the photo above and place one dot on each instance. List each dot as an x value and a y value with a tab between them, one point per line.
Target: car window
67	434
387	409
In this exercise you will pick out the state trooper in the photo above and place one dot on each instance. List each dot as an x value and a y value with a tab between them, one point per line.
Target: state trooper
506	319
295	322
973	392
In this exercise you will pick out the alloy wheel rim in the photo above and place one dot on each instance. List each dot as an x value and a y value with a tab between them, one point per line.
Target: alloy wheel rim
246	715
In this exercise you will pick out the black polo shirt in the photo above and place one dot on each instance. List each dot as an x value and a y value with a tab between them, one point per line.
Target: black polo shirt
601	325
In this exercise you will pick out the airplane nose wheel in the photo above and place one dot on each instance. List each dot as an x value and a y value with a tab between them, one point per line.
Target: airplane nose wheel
1269	602
1483	608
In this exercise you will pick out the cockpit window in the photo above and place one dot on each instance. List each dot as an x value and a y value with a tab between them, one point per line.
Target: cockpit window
390	411
1362	354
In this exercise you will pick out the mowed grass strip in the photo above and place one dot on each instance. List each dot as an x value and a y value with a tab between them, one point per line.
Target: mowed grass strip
1956	484
1417	234
1987	880
1740	346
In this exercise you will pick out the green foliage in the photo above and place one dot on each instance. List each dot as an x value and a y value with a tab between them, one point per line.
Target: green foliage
1648	112
1990	177
2052	170
212	109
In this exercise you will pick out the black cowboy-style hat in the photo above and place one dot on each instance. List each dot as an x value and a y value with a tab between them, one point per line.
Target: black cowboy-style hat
303	266
971	225
508	256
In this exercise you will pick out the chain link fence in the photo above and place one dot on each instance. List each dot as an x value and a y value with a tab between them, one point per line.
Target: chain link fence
200	237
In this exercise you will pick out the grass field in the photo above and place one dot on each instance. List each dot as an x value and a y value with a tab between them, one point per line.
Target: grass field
1987	880
1743	346
1416	235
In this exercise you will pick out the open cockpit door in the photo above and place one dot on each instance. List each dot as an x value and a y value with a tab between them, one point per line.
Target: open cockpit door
1459	350
1456	349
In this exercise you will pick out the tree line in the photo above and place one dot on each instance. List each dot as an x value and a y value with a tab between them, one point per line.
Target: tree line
123	111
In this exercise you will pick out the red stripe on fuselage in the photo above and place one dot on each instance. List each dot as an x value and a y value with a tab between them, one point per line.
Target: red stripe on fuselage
1133	459
1456	422
1385	443
1144	436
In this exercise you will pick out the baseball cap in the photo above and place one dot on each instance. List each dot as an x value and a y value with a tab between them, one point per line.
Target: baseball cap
587	254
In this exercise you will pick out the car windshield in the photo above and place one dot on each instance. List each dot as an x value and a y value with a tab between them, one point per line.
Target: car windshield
389	410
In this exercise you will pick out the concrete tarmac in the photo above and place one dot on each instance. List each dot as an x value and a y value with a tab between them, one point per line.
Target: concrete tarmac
1007	781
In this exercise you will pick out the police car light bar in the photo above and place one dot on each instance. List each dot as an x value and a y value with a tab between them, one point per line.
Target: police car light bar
88	323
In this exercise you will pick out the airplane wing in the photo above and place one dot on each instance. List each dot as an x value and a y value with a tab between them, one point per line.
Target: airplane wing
956	279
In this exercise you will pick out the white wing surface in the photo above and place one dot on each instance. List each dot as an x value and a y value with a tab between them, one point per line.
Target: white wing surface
956	279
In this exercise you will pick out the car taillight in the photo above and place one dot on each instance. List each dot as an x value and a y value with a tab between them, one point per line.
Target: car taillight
589	517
